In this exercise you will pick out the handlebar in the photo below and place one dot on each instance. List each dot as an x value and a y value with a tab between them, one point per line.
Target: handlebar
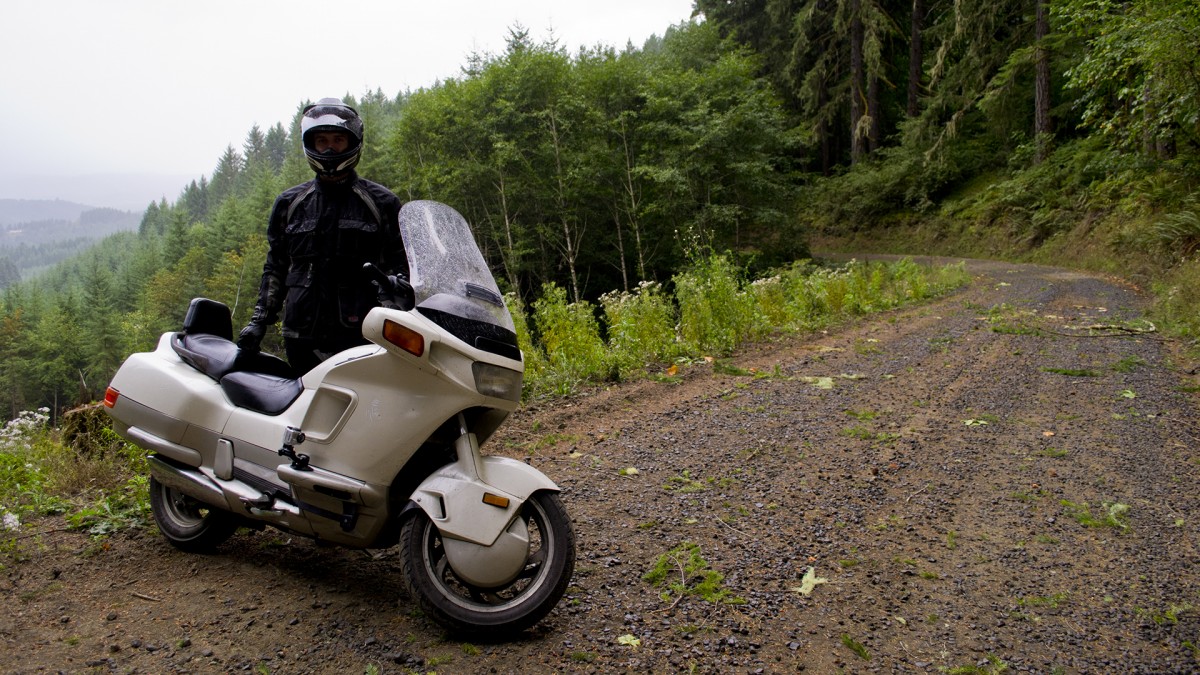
394	290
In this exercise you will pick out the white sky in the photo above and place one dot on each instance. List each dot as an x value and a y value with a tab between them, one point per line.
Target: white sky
127	90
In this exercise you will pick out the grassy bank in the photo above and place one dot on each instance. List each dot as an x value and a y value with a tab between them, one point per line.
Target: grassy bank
1085	207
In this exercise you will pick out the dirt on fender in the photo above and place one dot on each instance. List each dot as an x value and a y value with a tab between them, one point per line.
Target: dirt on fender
1005	480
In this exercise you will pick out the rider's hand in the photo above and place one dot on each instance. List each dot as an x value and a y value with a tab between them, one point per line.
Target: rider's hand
250	339
395	292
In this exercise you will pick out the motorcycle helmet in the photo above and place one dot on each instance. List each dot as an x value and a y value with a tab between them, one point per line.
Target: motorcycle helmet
330	114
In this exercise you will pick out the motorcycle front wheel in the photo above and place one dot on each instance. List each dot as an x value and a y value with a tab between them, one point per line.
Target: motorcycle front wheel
189	524
492	612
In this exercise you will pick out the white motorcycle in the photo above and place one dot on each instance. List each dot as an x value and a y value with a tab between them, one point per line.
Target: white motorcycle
390	432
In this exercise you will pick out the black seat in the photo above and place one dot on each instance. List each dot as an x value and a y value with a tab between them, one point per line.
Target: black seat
267	394
206	344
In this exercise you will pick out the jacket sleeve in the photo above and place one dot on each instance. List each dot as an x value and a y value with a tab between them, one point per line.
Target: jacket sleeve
393	258
271	290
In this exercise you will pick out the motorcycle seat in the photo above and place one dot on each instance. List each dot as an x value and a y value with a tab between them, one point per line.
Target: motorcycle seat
206	344
216	357
260	392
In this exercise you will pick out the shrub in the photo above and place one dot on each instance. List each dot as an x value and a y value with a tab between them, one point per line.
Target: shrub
641	327
714	314
570	336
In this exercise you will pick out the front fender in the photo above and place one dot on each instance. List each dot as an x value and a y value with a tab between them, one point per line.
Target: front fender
479	510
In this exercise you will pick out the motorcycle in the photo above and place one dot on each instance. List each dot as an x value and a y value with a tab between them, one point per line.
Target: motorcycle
377	446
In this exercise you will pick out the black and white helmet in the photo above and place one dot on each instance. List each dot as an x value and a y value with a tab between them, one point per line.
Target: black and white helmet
330	114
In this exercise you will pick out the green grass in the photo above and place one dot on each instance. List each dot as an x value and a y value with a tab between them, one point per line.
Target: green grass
1072	372
1112	514
683	572
100	487
855	646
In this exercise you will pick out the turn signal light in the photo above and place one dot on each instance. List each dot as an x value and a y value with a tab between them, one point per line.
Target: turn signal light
403	337
495	500
110	397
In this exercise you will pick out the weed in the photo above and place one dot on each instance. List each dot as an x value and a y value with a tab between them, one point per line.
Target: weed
1052	452
864	434
856	647
551	440
951	540
863	415
867	347
684	483
682	571
1168	617
1113	515
884	524
1051	601
1128	364
1028	496
583	657
994	666
1072	372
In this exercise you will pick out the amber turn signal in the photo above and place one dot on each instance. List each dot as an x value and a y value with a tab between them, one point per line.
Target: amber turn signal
403	337
495	500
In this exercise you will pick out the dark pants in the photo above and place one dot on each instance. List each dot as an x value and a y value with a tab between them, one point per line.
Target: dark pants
303	354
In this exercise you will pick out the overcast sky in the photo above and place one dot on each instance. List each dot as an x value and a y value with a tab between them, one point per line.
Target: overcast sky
107	95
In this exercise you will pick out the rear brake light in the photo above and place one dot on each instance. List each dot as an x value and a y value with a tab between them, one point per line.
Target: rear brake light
110	397
403	337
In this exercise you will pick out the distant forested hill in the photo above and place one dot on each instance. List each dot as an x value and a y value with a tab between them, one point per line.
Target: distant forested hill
15	211
35	234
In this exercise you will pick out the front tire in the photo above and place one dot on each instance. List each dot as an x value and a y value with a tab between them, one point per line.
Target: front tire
189	524
492	612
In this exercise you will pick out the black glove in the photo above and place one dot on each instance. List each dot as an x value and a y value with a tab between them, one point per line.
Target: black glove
395	292
250	339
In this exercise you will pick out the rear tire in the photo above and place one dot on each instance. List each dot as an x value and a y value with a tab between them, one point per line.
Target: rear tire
492	613
189	524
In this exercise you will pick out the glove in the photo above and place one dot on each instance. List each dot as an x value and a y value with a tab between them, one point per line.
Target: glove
395	292
250	339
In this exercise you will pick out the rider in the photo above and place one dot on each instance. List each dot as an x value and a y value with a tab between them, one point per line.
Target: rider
319	235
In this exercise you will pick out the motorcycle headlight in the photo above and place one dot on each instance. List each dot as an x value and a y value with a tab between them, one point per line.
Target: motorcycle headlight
497	382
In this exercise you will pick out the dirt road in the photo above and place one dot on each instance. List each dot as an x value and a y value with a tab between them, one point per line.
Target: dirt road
1006	479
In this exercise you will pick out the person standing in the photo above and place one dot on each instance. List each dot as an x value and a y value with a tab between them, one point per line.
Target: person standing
319	236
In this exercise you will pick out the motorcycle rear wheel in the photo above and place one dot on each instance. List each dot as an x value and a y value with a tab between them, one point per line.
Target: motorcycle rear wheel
189	524
500	612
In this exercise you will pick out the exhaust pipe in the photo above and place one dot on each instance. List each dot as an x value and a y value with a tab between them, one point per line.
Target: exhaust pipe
189	482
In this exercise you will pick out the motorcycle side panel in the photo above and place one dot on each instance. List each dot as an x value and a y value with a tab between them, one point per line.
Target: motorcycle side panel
160	381
454	501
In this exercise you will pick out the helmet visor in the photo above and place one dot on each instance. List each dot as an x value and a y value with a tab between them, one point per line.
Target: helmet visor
330	114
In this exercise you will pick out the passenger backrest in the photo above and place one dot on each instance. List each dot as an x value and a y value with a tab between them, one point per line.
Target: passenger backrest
208	317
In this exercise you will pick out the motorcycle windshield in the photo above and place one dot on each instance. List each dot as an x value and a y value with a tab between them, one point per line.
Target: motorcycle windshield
451	281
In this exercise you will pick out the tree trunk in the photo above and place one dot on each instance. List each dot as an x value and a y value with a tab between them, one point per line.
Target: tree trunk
857	78
916	57
570	251
1041	92
874	113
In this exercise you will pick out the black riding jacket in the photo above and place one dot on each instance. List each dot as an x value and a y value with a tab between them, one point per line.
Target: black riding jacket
319	236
